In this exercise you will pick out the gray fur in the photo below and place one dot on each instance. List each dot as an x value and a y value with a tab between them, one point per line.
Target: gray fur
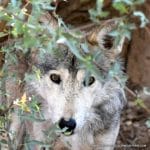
95	108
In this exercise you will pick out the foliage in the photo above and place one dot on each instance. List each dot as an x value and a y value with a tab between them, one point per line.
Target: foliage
97	12
25	32
140	103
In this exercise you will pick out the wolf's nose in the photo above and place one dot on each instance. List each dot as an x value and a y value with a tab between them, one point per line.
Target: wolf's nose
69	125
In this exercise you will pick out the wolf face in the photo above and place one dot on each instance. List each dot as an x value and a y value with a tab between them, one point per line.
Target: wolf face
65	94
88	107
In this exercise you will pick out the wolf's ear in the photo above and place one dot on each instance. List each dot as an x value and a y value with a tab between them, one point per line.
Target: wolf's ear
101	36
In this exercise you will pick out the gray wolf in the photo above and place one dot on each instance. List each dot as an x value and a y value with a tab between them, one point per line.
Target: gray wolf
89	109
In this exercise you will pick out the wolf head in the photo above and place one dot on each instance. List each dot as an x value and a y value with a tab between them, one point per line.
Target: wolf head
72	100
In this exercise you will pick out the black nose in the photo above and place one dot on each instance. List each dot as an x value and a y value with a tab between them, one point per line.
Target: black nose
70	124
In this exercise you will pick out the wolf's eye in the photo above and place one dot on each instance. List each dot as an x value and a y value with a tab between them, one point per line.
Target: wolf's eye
89	81
55	78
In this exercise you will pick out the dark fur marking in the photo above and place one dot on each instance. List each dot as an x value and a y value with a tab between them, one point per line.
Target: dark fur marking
108	41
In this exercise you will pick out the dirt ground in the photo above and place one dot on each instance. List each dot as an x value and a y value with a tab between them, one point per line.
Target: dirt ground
134	134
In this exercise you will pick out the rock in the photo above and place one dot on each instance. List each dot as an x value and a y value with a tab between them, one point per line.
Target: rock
128	123
138	64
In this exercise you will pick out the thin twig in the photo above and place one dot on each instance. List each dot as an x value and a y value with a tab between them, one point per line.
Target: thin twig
130	91
127	89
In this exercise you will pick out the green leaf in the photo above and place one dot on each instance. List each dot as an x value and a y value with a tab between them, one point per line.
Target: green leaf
3	141
142	17
72	44
97	12
2	34
13	2
121	7
17	28
140	102
85	48
34	142
29	41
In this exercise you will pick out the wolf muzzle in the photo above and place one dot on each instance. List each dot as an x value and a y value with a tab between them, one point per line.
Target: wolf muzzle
70	125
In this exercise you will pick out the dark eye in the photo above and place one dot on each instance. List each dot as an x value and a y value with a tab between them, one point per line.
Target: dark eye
89	82
55	78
